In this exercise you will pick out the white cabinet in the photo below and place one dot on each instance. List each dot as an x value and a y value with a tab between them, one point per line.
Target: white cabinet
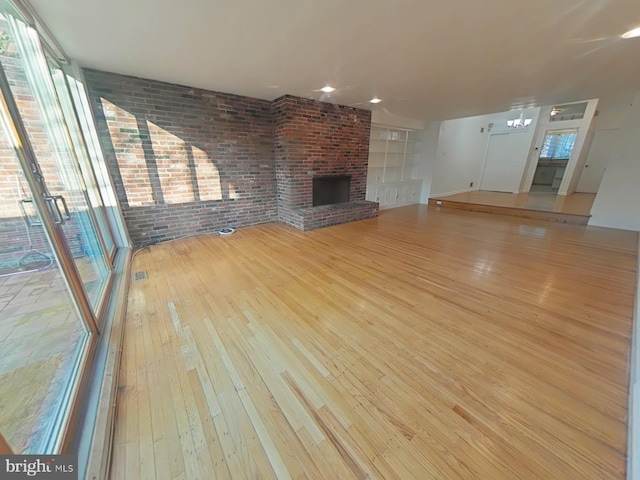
557	178
399	194
544	175
410	193
549	175
391	195
373	194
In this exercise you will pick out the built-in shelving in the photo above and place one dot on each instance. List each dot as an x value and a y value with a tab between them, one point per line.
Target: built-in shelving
392	174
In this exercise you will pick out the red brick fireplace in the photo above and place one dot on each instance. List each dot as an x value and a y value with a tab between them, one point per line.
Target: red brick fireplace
186	161
320	140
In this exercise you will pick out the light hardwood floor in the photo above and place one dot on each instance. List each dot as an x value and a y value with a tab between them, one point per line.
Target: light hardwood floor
421	344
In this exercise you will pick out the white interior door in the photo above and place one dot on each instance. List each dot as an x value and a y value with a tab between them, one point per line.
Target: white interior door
604	142
503	164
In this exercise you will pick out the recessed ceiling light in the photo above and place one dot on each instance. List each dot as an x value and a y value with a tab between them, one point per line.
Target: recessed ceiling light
375	100
328	89
631	33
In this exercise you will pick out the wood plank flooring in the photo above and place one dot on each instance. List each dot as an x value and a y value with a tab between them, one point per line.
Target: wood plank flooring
576	204
421	344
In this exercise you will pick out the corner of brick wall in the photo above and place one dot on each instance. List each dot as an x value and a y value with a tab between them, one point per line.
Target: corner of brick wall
184	161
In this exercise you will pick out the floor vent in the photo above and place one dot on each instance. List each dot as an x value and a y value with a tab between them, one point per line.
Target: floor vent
141	275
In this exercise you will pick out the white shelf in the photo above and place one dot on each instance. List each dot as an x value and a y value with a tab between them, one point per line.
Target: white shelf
377	145
375	174
394	160
377	159
391	155
396	147
392	175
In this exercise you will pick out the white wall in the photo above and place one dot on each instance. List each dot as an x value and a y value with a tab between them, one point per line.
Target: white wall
606	126
617	203
426	158
504	162
458	162
581	148
462	147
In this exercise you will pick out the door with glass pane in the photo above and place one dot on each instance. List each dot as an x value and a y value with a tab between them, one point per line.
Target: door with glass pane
48	132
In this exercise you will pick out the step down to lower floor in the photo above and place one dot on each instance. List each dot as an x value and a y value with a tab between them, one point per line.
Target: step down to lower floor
547	216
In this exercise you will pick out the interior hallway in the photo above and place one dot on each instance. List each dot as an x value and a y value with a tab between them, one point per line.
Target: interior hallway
419	344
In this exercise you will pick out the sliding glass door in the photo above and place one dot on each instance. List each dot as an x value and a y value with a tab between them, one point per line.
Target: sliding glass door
80	149
56	246
42	336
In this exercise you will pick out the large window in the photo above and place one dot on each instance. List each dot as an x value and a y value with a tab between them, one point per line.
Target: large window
558	144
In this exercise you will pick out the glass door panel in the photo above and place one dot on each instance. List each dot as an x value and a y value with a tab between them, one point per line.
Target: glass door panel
81	154
28	74
42	337
85	116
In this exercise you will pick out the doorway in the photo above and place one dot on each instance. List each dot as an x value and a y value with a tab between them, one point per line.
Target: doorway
604	142
553	158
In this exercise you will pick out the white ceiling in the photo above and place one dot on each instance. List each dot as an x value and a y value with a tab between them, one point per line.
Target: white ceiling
427	59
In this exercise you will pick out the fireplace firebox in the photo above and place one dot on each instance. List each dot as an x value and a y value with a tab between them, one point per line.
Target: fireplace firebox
330	190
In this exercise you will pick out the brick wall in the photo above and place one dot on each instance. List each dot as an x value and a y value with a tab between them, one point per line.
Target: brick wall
184	161
320	139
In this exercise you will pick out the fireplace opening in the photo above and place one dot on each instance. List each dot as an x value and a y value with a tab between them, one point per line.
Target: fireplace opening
330	190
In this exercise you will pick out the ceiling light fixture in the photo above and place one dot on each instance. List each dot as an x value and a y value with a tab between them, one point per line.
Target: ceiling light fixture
375	100
327	89
631	33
